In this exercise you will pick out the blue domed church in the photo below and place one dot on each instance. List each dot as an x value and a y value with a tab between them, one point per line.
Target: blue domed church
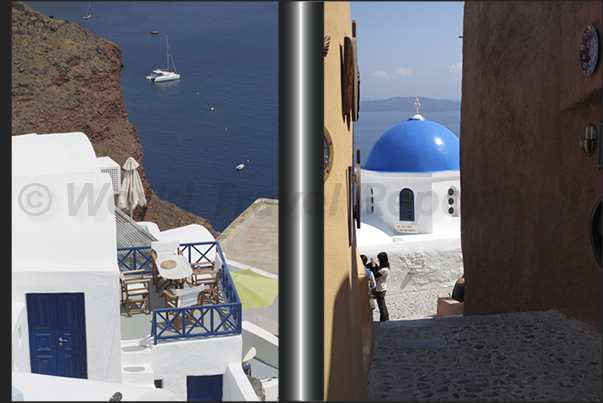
410	207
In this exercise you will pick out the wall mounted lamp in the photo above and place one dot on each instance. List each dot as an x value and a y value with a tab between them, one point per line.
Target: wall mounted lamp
588	142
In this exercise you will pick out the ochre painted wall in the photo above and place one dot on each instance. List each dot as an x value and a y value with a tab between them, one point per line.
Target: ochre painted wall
344	319
528	189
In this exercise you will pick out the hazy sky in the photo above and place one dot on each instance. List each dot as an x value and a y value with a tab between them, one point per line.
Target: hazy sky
409	49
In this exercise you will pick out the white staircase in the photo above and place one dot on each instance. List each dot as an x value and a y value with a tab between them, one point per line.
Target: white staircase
136	364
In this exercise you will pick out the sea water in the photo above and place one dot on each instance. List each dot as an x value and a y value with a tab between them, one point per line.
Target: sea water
227	56
371	125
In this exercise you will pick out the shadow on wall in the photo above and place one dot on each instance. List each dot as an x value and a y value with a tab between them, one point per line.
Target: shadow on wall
352	329
405	281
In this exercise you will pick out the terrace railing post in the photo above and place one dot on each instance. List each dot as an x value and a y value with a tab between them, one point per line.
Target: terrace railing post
154	328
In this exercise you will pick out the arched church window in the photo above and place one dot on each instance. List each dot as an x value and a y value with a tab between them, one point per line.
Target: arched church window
407	205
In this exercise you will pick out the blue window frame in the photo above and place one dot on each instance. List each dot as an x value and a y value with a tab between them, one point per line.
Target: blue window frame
407	205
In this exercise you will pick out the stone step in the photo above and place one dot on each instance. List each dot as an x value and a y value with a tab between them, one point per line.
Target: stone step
141	375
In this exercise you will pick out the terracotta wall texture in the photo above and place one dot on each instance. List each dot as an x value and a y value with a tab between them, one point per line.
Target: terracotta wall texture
528	189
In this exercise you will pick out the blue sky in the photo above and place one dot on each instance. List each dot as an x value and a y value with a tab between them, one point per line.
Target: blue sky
409	49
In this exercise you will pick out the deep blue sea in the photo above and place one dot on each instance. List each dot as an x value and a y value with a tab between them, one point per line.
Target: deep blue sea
227	56
371	125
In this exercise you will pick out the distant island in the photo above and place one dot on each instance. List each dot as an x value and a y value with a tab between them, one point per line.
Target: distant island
405	104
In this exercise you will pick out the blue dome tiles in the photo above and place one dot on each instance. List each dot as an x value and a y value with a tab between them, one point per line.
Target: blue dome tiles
415	145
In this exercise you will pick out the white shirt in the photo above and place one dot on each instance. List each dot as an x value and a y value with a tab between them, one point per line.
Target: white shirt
381	280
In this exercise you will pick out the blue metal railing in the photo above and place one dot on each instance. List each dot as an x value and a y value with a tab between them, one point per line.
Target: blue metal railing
188	248
134	258
196	321
204	320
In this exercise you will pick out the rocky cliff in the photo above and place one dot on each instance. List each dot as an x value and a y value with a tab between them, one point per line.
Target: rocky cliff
66	79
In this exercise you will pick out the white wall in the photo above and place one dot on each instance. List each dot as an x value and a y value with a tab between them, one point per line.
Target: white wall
174	361
236	386
442	220
20	339
102	299
430	193
64	238
68	236
265	343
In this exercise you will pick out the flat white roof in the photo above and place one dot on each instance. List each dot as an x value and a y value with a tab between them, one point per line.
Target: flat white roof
51	154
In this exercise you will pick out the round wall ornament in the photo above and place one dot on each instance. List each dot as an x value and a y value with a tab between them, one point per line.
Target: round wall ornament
589	50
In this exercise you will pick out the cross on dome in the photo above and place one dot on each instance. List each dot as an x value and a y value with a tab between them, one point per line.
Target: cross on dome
417	105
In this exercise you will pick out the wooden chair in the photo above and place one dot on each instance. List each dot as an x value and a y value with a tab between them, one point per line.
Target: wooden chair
135	290
210	280
181	297
200	271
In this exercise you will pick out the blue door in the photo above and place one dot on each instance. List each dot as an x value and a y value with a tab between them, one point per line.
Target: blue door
57	334
204	388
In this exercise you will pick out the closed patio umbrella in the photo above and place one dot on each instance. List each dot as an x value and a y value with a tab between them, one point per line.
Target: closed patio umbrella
255	290
132	192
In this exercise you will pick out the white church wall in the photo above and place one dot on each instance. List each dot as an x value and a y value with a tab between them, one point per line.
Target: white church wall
441	183
420	262
386	198
430	200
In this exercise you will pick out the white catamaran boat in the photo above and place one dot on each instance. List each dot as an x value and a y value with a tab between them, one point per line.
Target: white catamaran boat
165	75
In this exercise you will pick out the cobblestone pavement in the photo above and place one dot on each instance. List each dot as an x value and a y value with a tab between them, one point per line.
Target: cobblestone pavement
517	356
415	304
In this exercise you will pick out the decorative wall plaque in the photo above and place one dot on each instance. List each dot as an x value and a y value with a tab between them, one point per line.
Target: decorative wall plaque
356	85
348	76
357	186
589	50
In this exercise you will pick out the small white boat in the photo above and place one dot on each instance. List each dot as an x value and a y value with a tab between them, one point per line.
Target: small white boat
165	74
240	166
87	16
